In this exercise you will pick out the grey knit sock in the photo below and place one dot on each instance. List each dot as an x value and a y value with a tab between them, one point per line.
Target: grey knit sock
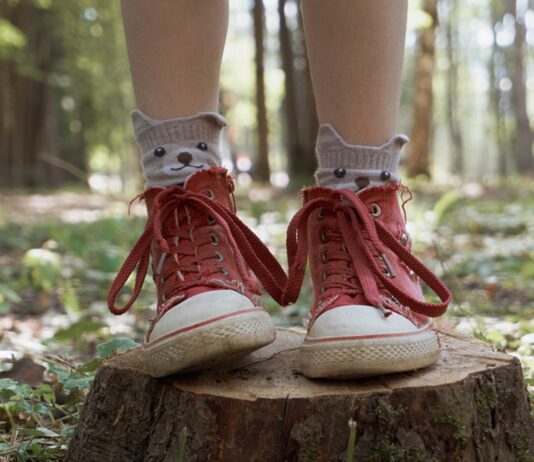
344	165
174	149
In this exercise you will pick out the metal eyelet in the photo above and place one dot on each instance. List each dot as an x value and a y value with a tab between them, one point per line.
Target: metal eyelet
214	239
376	211
210	193
320	214
324	236
388	270
412	275
224	271
322	290
211	221
404	239
219	256
324	276
344	248
324	256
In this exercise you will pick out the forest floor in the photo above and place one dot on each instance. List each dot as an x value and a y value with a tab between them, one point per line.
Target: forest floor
59	253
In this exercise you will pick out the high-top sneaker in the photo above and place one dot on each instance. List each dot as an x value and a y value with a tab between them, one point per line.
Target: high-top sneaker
369	315
208	300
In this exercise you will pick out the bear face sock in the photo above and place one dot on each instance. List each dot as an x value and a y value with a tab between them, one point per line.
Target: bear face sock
174	149
352	166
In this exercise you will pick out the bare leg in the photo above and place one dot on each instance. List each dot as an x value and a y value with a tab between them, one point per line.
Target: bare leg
175	49
356	50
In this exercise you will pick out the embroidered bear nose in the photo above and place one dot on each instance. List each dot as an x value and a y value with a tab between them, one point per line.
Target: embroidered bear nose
185	157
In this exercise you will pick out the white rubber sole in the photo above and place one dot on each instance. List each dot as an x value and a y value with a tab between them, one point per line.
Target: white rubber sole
365	356
208	343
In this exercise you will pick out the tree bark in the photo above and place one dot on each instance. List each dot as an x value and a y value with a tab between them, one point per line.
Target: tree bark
262	170
418	159
472	405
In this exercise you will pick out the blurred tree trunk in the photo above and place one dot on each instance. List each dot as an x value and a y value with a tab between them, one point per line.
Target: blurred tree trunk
262	170
29	140
308	113
418	159
300	126
497	60
289	104
524	159
453	116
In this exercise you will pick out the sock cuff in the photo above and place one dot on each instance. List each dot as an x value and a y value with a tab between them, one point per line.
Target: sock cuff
353	166
333	152
203	126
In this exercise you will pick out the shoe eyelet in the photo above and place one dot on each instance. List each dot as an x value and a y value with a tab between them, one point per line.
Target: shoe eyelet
344	248
214	239
412	275
324	236
224	271
211	220
210	193
219	256
324	256
404	239
322	290
324	276
376	211
320	214
388	269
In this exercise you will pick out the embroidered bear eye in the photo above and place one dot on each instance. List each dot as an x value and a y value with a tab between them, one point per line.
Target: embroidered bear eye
159	151
202	146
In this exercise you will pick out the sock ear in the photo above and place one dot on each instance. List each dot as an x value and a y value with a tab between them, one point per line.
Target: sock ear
141	121
328	135
218	119
395	143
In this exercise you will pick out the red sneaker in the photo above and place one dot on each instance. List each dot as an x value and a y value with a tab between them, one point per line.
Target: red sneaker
369	315
208	307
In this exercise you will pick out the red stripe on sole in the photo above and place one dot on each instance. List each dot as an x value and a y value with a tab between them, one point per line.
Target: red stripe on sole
367	337
201	324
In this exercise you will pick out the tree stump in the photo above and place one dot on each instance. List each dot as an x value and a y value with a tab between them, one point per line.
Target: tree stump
472	405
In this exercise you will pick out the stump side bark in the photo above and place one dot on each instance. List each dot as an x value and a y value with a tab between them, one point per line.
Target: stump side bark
472	405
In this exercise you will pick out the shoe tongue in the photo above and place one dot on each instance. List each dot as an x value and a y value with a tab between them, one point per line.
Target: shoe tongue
213	182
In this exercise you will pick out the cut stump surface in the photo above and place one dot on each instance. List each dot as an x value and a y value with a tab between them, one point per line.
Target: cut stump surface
472	405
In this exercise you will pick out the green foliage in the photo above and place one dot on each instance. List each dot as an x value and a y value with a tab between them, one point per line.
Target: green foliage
74	331
11	38
41	269
115	345
39	421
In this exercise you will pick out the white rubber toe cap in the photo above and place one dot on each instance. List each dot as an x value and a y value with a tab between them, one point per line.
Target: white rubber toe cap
358	320
199	309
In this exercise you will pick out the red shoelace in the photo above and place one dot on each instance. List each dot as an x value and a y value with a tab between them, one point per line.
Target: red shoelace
365	238
247	248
